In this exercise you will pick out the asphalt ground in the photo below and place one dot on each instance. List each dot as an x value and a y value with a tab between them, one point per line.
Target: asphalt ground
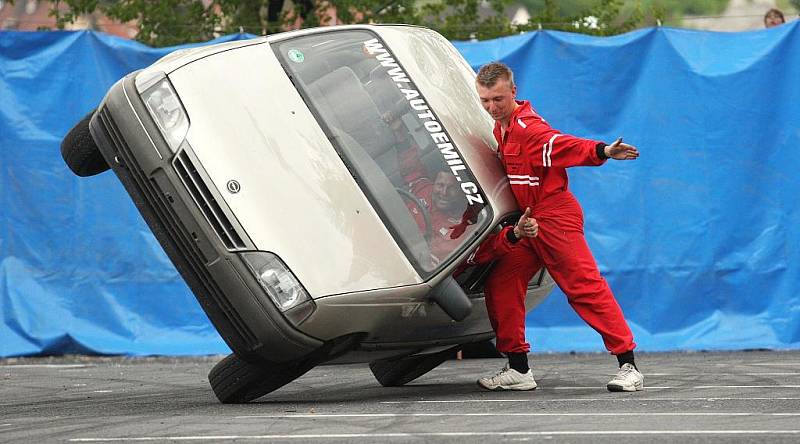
688	397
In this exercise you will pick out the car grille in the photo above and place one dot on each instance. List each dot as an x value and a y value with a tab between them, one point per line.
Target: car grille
153	197
206	202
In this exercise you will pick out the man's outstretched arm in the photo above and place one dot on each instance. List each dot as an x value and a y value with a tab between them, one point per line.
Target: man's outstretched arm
546	147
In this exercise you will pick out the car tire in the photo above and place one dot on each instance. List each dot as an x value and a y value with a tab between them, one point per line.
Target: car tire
80	151
483	349
236	381
397	372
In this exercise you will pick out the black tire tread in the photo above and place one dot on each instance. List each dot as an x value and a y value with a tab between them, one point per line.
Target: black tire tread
80	152
236	381
397	372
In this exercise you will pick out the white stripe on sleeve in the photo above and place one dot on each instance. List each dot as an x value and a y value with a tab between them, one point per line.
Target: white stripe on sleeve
530	183
544	155
522	176
550	150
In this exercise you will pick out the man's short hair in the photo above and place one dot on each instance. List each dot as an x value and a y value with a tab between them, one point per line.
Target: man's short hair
490	73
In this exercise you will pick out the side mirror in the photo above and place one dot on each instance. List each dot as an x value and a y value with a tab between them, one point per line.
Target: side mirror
451	297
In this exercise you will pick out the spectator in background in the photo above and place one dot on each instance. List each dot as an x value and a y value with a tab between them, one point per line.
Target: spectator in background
773	17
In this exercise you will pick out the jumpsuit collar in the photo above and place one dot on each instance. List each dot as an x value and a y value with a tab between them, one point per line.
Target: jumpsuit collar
523	110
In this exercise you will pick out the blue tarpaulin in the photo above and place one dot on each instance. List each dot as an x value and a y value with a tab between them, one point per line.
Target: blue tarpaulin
699	238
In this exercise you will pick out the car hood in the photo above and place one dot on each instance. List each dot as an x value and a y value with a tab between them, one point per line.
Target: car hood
295	197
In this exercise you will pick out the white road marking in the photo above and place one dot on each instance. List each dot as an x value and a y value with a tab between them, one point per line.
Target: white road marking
4	425
601	387
665	387
795	364
609	398
728	374
102	391
531	414
770	374
700	387
44	366
441	434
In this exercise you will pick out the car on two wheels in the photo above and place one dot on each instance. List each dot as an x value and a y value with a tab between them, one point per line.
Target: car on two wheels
276	174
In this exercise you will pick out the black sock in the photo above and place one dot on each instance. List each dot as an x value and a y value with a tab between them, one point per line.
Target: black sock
518	361
626	358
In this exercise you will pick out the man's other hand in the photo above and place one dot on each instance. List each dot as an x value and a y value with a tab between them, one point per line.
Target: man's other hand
621	151
526	226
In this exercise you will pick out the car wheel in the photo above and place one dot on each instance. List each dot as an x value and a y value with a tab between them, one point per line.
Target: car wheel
237	381
397	372
80	151
483	349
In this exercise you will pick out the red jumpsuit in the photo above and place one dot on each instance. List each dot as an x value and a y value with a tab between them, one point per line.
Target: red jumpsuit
535	157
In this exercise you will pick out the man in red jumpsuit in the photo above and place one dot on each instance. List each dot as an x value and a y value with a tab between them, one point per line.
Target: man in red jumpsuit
535	157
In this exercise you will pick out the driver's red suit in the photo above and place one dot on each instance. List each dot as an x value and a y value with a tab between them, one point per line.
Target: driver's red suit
535	157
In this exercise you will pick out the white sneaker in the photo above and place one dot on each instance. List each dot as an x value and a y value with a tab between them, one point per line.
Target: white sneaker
628	379
509	379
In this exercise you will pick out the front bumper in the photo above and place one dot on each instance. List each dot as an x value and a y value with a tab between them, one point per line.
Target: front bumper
197	239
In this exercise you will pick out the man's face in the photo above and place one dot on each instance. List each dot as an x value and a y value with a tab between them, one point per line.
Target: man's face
498	100
446	194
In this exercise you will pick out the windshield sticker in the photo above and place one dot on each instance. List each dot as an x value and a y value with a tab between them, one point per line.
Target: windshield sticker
435	130
296	56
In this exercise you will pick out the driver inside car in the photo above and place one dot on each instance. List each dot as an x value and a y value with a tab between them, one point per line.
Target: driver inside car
450	215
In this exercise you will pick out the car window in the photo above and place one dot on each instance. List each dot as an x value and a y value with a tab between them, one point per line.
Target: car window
391	140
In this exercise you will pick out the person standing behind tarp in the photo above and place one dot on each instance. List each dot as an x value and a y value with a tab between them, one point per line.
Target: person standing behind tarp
535	157
773	17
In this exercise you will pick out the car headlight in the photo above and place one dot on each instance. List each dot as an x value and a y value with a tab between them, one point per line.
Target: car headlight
166	109
280	284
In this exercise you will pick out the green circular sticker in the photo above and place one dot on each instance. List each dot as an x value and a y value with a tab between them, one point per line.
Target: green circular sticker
296	56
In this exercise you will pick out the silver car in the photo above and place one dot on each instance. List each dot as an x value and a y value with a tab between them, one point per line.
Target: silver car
286	179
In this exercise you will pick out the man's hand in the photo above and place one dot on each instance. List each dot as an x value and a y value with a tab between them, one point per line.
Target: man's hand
621	151
526	226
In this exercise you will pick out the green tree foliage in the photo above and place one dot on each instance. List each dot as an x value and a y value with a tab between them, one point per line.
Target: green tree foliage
695	7
596	17
171	22
672	11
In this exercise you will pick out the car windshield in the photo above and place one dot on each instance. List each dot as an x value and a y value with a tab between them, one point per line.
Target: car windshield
391	140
